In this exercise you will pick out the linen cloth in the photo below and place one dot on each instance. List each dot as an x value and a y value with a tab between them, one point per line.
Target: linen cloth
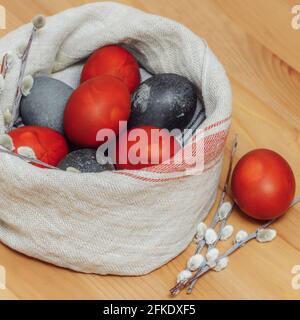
126	222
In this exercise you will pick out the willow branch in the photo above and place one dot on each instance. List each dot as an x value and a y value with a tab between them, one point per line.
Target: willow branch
215	219
223	224
231	250
18	95
4	66
28	159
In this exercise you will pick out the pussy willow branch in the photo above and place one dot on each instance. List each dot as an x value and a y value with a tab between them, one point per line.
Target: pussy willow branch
223	224
231	250
28	159
18	95
4	66
215	219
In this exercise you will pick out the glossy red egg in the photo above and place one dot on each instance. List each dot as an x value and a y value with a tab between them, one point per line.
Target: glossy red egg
263	184
99	103
113	60
48	145
140	147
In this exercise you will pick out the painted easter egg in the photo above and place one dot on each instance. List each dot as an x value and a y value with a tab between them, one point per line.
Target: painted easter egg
99	103
115	61
43	143
263	184
45	104
165	100
84	160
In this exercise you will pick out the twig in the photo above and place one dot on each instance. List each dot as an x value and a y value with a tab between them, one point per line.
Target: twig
223	224
231	250
233	151
18	95
38	23
4	66
191	282
215	219
28	159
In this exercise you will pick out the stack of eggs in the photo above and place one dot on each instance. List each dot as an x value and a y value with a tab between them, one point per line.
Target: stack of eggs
58	119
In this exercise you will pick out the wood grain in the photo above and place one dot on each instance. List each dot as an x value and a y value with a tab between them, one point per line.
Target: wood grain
260	51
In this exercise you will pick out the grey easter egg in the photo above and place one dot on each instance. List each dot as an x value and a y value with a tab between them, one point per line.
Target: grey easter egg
45	104
84	160
164	100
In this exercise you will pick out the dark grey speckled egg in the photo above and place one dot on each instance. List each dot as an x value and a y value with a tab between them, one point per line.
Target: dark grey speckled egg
84	160
45	104
164	100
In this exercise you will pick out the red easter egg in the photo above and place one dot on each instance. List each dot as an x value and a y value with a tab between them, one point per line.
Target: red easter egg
48	145
139	148
99	103
263	184
115	61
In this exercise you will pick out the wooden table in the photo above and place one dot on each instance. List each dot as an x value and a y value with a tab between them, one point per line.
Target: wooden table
260	51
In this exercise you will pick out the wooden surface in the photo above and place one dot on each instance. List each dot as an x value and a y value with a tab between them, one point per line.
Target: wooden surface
260	51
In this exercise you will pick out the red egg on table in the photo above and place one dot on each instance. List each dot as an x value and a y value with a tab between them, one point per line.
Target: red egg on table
263	184
113	60
99	103
48	145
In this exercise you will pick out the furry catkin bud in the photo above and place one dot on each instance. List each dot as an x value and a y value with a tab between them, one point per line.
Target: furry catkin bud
195	262
74	170
221	264
184	275
212	256
6	142
39	21
26	152
10	59
201	229
21	49
265	235
227	232
7	116
241	236
27	85
210	236
224	210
